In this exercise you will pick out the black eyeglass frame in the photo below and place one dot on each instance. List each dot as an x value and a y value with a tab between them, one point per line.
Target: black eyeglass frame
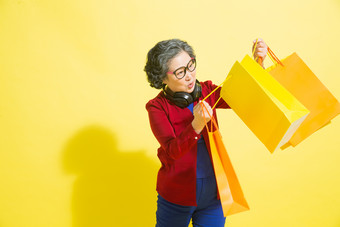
193	60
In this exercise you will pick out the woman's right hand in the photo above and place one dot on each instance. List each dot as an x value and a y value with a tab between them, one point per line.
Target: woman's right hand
201	116
260	52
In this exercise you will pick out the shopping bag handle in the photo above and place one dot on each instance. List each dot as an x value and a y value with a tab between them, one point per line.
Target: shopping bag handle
270	54
212	119
259	60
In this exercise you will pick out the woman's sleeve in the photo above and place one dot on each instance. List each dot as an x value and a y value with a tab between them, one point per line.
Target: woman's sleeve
174	146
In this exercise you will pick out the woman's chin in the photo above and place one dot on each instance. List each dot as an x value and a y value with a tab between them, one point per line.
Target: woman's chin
191	90
185	89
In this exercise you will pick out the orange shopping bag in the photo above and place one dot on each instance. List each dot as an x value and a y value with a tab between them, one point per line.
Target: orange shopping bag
229	188
293	74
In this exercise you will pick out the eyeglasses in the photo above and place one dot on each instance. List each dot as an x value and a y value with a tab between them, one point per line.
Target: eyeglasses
182	71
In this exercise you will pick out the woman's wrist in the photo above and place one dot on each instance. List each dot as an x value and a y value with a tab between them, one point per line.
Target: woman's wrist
197	126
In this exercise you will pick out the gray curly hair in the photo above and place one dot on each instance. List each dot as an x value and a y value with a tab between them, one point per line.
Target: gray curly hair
159	56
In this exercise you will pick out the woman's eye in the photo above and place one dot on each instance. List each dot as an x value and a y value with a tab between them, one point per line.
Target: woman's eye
180	72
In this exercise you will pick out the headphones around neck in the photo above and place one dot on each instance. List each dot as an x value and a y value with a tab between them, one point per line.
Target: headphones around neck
183	99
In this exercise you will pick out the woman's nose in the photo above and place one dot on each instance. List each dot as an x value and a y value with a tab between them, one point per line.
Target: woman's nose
188	75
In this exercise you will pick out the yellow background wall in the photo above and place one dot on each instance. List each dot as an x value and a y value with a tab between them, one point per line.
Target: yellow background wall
76	148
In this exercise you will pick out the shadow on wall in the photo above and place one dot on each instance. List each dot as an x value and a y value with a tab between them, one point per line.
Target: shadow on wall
112	188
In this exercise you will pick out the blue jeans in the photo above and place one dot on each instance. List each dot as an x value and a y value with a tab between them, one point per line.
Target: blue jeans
208	212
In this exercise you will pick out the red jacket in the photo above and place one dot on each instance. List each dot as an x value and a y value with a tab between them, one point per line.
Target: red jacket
171	125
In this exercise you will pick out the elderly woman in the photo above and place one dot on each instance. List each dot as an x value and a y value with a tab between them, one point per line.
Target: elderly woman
186	182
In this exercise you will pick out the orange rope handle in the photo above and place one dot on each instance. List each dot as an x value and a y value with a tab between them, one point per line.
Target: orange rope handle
271	53
212	119
271	58
205	121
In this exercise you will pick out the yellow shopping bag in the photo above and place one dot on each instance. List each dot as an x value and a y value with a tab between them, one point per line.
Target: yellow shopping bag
271	112
229	188
298	79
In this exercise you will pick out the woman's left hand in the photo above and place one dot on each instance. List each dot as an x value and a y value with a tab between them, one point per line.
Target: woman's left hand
260	51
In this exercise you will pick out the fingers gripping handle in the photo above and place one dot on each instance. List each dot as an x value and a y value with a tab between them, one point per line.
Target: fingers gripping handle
212	119
271	55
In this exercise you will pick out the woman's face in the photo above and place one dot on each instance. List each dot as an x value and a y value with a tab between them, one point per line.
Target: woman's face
187	83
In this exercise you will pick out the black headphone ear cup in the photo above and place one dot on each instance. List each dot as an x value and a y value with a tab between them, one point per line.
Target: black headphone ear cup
197	92
183	99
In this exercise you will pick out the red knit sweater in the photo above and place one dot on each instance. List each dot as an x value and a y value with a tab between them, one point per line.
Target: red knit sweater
171	125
